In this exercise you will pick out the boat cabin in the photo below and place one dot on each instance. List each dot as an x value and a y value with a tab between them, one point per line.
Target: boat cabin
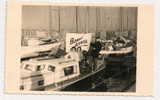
43	72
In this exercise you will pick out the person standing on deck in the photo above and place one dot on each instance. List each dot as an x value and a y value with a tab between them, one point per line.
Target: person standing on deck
94	50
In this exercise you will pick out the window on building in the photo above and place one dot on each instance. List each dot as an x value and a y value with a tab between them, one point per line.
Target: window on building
40	67
41	82
69	70
51	68
28	67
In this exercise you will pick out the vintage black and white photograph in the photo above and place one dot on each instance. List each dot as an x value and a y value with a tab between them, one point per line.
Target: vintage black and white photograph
78	48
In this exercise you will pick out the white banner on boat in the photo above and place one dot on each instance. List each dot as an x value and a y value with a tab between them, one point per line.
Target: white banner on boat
78	41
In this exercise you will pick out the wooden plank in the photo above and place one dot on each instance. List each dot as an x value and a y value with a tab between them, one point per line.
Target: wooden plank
82	19
67	19
132	14
35	17
112	17
54	18
125	18
92	19
129	18
108	19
